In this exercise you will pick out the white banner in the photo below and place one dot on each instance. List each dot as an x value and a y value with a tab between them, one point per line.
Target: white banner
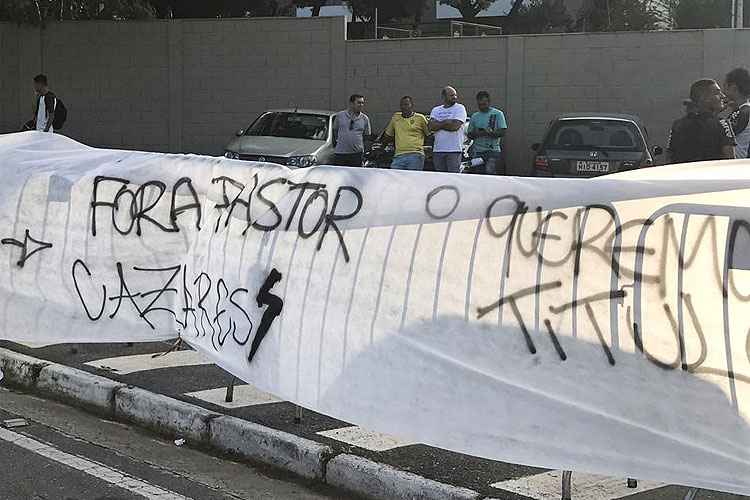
595	325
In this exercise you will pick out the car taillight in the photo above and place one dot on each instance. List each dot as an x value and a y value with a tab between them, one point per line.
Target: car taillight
541	163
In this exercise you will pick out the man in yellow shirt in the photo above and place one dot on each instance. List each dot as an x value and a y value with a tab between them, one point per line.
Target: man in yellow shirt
408	129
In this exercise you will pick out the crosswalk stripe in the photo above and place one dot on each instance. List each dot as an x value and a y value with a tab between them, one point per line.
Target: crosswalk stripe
369	440
124	365
244	395
547	486
95	469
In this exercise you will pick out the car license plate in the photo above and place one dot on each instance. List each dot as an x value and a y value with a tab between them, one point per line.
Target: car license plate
592	166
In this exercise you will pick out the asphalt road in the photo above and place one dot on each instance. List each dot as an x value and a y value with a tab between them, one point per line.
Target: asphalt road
489	477
66	454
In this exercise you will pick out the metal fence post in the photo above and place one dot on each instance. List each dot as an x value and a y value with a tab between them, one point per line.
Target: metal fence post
566	479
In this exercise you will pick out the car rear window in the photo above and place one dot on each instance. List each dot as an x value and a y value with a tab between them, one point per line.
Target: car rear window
582	134
290	125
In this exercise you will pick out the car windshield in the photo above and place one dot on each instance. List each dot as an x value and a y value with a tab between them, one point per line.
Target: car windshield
586	134
290	125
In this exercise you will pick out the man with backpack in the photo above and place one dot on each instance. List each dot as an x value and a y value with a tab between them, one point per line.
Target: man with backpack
49	112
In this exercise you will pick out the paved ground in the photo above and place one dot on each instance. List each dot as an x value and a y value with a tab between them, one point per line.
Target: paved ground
67	454
184	375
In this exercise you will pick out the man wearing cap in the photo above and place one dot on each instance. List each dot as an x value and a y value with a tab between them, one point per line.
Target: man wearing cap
700	135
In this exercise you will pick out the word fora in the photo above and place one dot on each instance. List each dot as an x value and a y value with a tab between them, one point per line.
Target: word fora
236	196
209	308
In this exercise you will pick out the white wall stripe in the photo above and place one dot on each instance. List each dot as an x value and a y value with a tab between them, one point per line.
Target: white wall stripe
94	469
547	486
244	395
124	365
369	440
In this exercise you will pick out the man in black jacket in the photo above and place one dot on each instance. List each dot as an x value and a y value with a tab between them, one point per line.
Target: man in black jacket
701	135
46	102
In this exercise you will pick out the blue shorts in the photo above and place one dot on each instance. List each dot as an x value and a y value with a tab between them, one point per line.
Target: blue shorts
408	161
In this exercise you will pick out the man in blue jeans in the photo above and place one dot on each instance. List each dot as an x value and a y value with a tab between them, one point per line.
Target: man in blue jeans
408	129
486	127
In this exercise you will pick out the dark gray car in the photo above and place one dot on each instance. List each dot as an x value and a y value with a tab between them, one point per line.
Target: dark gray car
588	145
292	137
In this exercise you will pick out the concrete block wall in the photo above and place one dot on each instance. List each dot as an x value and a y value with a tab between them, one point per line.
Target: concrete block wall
113	79
386	70
10	117
188	85
233	70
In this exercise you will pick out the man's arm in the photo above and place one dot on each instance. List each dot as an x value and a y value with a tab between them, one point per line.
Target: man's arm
452	125
435	125
389	134
727	153
728	140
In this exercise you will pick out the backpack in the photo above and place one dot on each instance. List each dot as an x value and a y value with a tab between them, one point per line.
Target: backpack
61	114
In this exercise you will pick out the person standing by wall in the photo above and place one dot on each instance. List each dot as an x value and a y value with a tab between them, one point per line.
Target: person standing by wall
700	135
737	88
447	121
408	130
349	130
486	128
46	102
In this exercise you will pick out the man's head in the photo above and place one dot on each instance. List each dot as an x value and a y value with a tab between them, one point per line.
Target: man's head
406	105
450	96
356	103
737	85
40	84
706	96
483	100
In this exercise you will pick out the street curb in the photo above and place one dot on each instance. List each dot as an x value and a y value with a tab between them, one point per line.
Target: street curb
380	481
224	433
280	449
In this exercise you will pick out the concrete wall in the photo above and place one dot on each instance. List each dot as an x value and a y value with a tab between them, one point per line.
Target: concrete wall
9	78
186	86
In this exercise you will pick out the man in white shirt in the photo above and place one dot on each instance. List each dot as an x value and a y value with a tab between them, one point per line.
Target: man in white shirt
447	122
46	102
737	89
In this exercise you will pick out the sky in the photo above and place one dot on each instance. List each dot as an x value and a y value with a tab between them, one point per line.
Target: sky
499	8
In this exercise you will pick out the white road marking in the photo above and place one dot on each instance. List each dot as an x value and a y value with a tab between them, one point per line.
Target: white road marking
369	440
95	469
124	365
244	395
547	486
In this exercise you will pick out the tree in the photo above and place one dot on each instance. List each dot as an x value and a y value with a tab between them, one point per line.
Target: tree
620	15
222	8
315	4
39	12
541	16
388	10
696	14
468	8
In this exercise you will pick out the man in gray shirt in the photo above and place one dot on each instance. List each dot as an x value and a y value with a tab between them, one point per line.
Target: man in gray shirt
349	129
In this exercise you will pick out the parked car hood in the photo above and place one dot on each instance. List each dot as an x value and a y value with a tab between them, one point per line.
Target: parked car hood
273	146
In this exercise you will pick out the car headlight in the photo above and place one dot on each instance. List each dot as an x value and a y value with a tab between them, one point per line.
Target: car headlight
232	155
302	161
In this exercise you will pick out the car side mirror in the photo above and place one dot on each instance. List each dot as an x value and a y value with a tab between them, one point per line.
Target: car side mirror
535	146
658	151
240	132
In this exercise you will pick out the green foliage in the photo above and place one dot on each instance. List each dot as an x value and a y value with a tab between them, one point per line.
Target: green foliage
621	15
39	12
542	16
696	14
468	8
